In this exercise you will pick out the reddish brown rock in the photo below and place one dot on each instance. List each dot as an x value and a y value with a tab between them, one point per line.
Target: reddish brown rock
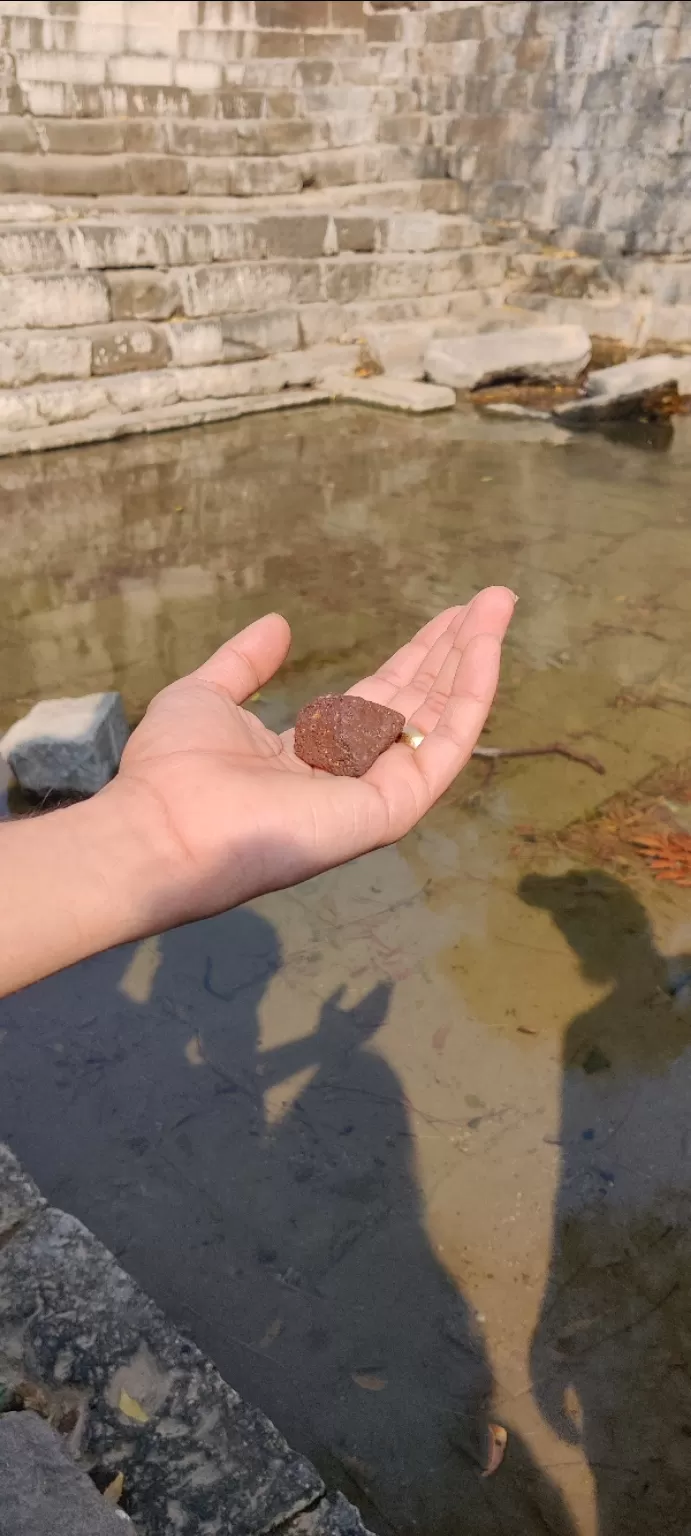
344	734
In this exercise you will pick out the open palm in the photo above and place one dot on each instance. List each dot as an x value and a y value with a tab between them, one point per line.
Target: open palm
244	815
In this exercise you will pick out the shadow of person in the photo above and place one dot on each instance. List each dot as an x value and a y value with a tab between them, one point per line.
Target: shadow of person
268	1198
612	1349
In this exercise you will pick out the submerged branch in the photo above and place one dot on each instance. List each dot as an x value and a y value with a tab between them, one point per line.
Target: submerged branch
557	749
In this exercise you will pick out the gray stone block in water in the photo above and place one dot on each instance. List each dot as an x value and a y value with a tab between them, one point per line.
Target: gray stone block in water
67	746
42	1492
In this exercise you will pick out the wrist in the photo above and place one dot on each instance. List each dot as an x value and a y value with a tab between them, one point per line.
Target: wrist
83	879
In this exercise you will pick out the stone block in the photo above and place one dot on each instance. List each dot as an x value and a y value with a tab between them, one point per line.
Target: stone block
207	45
198	74
259	333
211	178
298	14
194	343
454	24
19	1197
358	232
28	357
398	350
639	374
69	401
246	285
265	376
80	136
53	301
413	232
67	746
19	410
72	68
145	295
64	175
142	391
127	348
616	322
262	178
156	175
392	394
670	324
43	1492
136	69
292	234
554	353
81	1321
404	128
28	248
594	410
347	13
18	135
145	136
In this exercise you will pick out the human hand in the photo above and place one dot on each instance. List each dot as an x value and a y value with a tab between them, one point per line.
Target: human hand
209	808
245	815
235	812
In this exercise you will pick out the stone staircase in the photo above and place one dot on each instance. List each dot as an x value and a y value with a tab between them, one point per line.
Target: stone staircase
200	201
120	308
645	304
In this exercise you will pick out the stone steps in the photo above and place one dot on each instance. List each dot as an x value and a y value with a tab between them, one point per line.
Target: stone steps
437	195
84	175
635	302
51	300
149	239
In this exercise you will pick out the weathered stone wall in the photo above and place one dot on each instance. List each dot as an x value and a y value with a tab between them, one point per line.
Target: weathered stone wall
574	115
189	188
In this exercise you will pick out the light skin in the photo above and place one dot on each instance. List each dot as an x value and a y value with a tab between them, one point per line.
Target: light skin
210	809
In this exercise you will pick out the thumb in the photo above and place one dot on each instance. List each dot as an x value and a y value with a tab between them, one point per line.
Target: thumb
246	662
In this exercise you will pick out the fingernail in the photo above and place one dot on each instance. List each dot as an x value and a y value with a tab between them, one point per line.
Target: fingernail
514	595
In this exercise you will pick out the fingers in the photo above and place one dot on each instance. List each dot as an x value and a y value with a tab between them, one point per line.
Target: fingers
409	782
246	662
446	750
424	701
401	668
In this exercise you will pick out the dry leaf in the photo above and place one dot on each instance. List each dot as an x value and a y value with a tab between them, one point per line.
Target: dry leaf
497	1446
113	1493
272	1333
369	1381
132	1409
194	1052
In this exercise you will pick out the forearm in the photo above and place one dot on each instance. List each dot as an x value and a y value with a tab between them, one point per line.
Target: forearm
74	882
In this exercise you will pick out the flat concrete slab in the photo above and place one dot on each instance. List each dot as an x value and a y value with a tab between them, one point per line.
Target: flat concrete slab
42	1492
194	1457
393	394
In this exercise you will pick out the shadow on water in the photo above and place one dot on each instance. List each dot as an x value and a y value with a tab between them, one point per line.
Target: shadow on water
282	1226
612	1349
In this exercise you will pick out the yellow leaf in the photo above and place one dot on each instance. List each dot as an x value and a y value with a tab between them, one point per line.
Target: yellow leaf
113	1493
194	1052
132	1409
497	1446
369	1381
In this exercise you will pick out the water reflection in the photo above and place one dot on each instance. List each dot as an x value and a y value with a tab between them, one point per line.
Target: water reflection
191	1099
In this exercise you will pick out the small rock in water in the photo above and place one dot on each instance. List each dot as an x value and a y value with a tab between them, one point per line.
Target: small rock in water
67	746
344	734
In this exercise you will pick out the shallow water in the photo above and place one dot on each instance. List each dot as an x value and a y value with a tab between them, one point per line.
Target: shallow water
404	1149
